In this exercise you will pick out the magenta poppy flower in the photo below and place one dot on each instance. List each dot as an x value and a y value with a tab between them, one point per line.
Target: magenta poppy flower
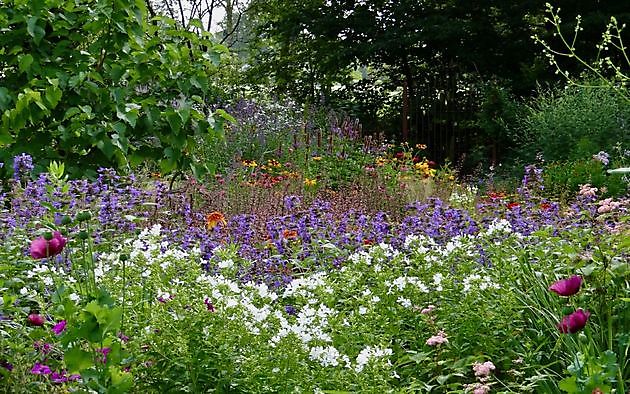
59	327
574	322
42	248
36	320
567	287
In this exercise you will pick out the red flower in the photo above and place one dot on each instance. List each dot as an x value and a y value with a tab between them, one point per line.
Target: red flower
545	206
567	287
495	195
42	248
36	320
513	205
368	242
574	322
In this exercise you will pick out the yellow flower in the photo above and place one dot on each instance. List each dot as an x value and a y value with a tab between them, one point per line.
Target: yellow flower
215	218
422	166
273	163
381	161
421	146
250	163
317	158
309	182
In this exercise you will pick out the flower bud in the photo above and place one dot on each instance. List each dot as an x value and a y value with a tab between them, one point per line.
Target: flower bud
36	319
66	220
83	235
48	235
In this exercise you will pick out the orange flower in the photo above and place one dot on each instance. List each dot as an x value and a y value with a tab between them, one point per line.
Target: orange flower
215	218
289	234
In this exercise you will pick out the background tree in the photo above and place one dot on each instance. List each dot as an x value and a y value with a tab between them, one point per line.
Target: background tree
95	84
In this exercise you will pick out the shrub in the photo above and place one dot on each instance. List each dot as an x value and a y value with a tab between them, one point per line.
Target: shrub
572	124
563	179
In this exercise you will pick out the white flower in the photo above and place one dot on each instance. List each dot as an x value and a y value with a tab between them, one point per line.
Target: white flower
404	302
23	291
362	310
226	264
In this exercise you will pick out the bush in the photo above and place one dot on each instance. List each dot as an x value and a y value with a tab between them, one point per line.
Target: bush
572	124
563	179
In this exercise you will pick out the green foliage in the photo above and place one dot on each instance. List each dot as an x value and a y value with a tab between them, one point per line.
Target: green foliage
563	179
572	124
96	83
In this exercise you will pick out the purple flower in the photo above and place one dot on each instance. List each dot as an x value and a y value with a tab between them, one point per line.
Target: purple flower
36	320
290	310
57	377
209	305
22	165
574	322
104	351
567	287
40	369
42	248
6	365
59	327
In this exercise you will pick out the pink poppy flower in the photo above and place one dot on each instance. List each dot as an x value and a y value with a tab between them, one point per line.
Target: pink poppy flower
42	248
574	322
567	287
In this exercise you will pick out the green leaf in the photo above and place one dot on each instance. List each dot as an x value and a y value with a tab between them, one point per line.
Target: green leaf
25	63
442	378
130	116
167	165
200	81
70	112
5	98
174	120
34	30
77	360
105	145
568	384
121	381
53	95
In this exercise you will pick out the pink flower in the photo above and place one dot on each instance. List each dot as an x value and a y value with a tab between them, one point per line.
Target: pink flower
483	370
588	191
428	310
574	322
59	327
438	339
481	389
36	320
42	248
567	287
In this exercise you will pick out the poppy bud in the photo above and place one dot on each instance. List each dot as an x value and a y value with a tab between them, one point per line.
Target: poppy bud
36	319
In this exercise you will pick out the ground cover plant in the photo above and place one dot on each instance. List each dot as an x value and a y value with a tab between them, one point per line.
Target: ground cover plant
119	284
